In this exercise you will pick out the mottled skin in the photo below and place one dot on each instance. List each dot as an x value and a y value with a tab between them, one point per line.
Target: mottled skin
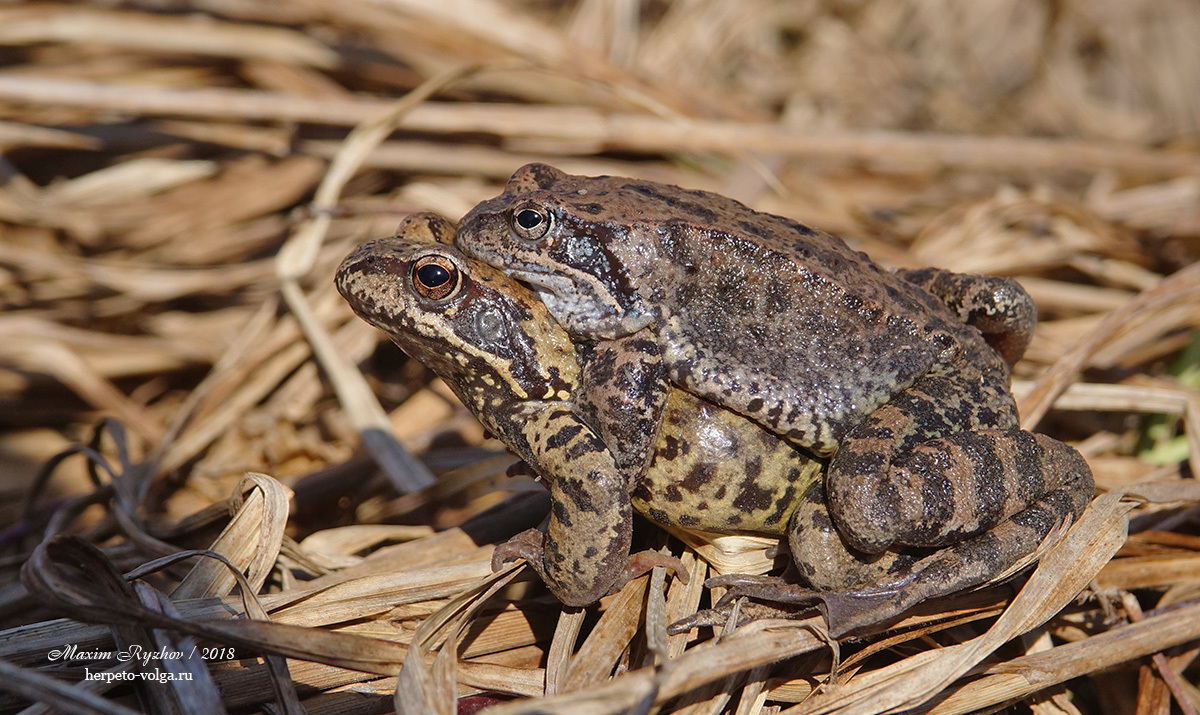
706	468
791	328
497	347
999	308
755	312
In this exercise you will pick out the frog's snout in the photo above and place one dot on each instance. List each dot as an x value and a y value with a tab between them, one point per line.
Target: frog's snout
371	280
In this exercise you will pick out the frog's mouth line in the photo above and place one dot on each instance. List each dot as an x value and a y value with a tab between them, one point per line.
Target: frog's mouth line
545	284
534	280
577	305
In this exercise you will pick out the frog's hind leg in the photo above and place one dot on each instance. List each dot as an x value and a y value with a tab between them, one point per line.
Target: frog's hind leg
855	590
957	486
964	565
945	461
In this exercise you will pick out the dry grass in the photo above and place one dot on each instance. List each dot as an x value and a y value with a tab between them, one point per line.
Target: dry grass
177	186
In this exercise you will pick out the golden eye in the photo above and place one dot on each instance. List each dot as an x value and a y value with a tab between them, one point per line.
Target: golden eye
435	277
531	223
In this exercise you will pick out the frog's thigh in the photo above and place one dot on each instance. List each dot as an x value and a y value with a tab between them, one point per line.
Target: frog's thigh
586	548
886	490
999	307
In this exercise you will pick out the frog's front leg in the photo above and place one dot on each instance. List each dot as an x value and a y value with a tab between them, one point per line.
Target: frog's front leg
584	553
998	307
622	395
945	461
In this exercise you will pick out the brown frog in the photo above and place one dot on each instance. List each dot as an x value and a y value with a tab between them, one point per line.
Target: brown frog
788	326
708	468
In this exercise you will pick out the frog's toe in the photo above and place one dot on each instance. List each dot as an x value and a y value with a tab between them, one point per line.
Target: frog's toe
742	584
699	619
844	610
643	561
750	598
527	545
723	615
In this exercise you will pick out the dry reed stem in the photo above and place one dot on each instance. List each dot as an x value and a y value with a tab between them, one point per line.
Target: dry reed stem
296	259
615	132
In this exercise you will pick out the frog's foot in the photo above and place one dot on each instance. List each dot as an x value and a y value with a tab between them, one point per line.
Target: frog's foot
844	610
998	307
530	545
747	612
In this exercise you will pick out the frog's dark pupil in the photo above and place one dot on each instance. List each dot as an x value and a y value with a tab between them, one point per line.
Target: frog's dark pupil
432	275
528	218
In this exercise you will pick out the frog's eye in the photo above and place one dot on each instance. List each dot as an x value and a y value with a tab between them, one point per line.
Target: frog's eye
435	277
530	223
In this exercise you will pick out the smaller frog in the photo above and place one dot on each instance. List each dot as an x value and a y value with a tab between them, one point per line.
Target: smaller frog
506	359
708	468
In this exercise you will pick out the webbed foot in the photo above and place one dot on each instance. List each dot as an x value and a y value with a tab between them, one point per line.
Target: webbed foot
844	611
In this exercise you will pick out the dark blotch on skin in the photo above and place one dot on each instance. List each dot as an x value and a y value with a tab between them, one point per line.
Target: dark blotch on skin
564	436
561	512
671	449
819	520
586	446
936	490
658	515
543	175
876	430
782	509
698	476
751	497
989	477
575	490
1040	519
757	229
887	498
806	231
692	209
852	462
